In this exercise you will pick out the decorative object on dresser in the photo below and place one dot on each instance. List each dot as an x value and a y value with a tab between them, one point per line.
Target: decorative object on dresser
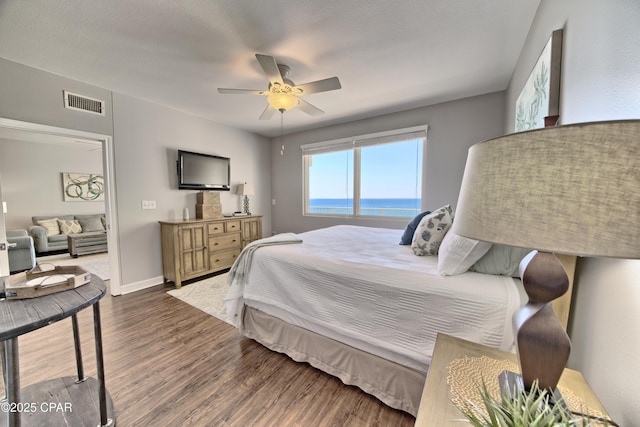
245	190
208	205
568	190
199	247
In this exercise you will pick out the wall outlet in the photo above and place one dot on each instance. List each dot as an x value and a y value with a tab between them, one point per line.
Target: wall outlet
148	204
273	202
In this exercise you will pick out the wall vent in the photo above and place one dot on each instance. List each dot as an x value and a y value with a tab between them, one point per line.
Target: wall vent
83	103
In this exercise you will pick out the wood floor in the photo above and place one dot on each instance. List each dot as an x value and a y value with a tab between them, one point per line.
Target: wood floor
169	364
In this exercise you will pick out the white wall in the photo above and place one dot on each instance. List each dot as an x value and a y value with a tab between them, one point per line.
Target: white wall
31	95
147	137
600	81
32	180
453	128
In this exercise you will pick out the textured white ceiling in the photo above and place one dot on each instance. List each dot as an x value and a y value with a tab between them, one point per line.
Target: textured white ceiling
390	55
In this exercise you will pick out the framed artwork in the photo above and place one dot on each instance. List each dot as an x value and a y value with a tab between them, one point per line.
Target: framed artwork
82	187
538	104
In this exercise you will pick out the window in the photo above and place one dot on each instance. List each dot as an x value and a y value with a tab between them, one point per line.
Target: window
368	176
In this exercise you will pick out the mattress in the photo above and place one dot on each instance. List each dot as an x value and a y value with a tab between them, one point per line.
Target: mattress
358	286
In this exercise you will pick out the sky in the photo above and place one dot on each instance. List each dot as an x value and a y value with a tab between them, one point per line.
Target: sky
388	171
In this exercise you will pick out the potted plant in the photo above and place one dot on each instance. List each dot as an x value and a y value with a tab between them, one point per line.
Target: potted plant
533	408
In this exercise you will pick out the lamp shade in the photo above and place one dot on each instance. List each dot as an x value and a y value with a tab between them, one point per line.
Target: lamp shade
572	189
282	101
245	189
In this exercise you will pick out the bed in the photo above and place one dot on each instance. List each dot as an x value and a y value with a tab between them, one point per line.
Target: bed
351	301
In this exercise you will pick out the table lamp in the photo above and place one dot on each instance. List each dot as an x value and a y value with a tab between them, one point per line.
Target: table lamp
245	190
572	189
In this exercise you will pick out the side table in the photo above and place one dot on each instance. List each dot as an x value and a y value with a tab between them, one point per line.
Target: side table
436	406
72	401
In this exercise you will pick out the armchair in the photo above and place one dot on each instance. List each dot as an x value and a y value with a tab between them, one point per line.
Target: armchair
22	255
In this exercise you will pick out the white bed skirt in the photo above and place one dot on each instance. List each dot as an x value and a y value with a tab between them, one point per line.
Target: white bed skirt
395	385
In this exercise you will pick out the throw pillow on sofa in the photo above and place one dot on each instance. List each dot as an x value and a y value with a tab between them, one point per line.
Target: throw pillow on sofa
51	225
69	226
90	223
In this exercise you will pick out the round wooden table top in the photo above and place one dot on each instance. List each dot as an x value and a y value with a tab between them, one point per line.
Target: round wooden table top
19	316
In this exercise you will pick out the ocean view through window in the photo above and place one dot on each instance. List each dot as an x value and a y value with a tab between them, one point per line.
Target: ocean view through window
372	177
368	207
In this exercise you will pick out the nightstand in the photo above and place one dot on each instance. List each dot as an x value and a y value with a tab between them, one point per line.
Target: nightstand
436	406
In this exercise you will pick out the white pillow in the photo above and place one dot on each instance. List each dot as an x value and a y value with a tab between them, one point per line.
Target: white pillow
51	225
431	231
458	253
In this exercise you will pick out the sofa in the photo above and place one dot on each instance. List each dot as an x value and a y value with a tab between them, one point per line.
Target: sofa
50	232
21	251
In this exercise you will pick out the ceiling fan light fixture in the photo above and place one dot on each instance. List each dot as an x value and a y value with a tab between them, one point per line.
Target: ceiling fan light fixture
282	101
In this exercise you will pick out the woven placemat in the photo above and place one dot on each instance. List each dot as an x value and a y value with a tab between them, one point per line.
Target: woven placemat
467	374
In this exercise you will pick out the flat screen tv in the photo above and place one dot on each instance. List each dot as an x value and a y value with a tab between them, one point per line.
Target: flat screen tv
198	171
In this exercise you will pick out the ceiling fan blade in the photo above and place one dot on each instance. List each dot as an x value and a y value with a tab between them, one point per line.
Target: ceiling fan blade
270	68
268	113
320	86
242	91
311	110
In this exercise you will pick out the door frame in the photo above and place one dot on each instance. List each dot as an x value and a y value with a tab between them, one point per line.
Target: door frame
111	211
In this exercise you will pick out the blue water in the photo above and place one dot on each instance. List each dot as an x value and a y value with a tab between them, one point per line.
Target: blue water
368	207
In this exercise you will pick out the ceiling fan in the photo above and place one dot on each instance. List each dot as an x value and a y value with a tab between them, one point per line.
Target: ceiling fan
282	94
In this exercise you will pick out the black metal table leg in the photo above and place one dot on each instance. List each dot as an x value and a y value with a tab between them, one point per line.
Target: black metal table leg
104	421
12	379
76	342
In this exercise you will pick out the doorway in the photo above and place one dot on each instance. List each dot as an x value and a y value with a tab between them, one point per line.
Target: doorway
31	131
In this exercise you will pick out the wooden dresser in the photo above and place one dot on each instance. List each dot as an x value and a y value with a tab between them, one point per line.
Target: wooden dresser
198	247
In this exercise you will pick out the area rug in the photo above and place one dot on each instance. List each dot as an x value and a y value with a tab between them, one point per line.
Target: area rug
97	264
206	295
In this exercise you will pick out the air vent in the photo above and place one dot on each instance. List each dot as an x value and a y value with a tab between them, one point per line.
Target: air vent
83	103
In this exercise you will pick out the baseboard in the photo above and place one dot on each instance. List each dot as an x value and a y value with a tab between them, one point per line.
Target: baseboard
143	284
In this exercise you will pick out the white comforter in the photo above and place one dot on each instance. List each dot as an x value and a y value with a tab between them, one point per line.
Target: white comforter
358	286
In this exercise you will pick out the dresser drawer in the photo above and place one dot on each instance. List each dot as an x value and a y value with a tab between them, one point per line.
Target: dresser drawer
214	228
223	259
225	241
232	226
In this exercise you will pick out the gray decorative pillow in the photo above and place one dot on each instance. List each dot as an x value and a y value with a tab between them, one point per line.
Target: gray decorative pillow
51	225
431	231
69	226
90	223
501	260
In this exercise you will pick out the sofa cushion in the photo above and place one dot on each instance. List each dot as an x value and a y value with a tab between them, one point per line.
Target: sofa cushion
51	225
69	226
90	223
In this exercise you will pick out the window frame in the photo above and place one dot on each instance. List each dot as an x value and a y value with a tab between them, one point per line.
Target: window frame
355	144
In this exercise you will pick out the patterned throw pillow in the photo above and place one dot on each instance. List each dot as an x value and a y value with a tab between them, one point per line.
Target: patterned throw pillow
69	226
431	231
51	225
